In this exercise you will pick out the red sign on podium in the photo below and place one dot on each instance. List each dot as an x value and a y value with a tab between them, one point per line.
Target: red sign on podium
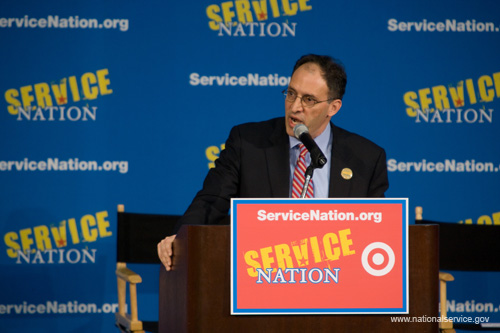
319	256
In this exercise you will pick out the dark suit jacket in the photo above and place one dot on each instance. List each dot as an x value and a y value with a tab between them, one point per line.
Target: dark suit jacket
256	164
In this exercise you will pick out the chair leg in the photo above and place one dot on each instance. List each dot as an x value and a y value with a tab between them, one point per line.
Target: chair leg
122	294
445	326
134	316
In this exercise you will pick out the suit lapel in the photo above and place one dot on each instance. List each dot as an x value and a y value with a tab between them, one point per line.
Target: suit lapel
278	158
339	187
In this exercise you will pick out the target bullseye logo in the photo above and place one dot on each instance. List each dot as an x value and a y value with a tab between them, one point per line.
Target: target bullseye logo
378	254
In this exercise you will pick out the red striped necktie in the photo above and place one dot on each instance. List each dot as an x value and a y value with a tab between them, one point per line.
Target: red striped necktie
299	176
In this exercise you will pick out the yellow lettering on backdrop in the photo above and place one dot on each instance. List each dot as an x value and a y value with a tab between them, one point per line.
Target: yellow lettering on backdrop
470	90
103	224
212	11
89	234
26	240
43	237
212	153
289	9
304	6
275	8
74	231
10	98
26	97
409	99
42	93
441	100
59	234
438	97
12	246
74	88
41	234
60	92
260	9
88	91
425	101
243	11
457	94
484	219
487	95
92	85
227	13
104	82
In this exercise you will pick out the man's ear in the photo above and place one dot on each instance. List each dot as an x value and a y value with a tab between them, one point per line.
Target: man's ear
334	107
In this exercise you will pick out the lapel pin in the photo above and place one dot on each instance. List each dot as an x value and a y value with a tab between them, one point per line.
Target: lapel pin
346	173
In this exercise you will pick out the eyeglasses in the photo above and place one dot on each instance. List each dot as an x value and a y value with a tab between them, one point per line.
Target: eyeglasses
306	100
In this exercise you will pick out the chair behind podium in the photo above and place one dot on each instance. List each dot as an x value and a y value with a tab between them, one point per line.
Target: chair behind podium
464	247
137	239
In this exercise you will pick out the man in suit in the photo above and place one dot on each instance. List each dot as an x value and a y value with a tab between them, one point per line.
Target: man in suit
260	158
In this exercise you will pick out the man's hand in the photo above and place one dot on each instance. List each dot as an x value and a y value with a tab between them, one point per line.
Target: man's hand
165	251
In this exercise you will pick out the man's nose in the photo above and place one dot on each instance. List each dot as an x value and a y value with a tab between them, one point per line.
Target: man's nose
297	104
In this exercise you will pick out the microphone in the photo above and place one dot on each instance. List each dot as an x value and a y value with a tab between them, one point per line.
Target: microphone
301	132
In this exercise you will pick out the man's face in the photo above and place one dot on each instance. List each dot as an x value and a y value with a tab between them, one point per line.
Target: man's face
307	81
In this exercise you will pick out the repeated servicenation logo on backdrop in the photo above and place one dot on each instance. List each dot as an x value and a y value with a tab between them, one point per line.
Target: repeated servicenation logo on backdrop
66	242
58	100
467	101
444	25
262	18
443	165
60	22
248	80
308	256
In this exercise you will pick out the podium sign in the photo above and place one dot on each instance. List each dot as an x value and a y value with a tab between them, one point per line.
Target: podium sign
319	256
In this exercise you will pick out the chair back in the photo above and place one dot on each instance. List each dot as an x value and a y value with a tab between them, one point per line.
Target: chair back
138	234
468	247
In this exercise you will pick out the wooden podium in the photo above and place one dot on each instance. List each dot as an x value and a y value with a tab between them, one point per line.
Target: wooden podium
195	295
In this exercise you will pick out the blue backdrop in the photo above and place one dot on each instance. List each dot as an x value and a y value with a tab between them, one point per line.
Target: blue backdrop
106	103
